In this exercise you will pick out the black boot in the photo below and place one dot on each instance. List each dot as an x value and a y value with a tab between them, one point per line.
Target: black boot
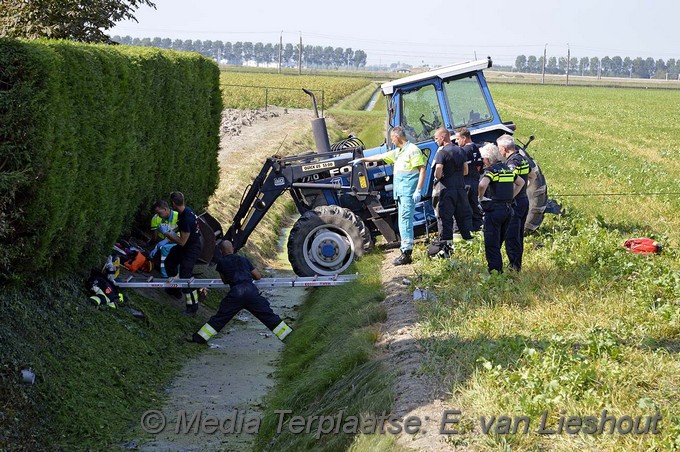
403	259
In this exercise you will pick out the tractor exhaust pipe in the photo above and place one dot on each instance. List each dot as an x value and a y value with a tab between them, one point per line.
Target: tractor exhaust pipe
319	128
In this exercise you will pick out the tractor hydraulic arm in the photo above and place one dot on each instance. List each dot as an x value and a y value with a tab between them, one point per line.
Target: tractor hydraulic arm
281	174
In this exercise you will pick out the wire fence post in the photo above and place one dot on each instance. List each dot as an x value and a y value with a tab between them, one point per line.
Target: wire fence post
266	95
322	104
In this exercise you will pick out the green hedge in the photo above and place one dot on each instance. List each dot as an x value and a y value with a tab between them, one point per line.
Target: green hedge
90	136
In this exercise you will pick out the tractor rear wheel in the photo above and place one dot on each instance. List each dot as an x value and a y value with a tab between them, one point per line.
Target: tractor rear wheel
326	240
538	197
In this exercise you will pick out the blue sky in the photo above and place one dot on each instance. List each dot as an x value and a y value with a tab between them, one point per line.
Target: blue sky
434	32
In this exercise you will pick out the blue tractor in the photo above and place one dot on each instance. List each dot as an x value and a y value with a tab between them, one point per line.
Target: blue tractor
344	208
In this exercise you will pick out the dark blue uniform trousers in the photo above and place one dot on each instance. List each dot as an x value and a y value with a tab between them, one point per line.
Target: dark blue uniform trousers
244	296
514	240
453	203
471	187
185	259
496	221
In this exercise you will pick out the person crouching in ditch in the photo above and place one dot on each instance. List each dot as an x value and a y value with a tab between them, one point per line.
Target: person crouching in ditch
238	272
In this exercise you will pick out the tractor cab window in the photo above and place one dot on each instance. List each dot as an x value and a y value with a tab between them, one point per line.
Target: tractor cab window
467	103
420	113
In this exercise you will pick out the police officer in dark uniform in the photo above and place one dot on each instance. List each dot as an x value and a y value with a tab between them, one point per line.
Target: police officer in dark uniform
450	169
188	248
475	165
497	188
238	272
524	168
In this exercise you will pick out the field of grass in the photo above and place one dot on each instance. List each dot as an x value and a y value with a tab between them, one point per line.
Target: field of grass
578	80
285	90
585	327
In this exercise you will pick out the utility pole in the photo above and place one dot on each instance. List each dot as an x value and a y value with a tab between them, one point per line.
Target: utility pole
545	51
568	57
280	47
300	57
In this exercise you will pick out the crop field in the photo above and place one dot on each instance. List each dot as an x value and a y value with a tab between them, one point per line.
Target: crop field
285	90
586	326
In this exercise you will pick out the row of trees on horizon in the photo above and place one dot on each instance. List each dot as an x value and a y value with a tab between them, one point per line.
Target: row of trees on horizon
607	67
240	53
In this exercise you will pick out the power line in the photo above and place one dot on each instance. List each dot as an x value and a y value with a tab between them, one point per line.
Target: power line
618	194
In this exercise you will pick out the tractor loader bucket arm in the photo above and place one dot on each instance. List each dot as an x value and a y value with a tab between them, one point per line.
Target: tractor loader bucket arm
281	174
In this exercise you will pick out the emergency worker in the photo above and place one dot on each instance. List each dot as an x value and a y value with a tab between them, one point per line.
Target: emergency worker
163	214
238	272
409	177
526	169
475	165
450	169
497	188
188	248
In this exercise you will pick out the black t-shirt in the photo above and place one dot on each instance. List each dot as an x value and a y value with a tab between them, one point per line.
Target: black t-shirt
502	182
188	224
236	269
452	157
474	160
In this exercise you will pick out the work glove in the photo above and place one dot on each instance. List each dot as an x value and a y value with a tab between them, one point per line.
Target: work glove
164	228
416	196
158	246
355	161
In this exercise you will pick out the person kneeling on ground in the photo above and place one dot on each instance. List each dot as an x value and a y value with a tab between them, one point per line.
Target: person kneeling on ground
238	272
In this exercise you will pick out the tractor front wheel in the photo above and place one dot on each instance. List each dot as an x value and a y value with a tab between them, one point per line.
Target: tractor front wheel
325	241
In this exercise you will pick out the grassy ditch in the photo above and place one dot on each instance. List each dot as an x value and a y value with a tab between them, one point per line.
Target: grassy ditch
328	365
96	368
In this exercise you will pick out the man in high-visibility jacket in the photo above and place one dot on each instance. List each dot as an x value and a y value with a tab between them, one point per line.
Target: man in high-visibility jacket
238	272
409	177
163	215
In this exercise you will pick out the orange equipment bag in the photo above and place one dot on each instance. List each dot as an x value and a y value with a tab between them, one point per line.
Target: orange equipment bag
643	245
139	262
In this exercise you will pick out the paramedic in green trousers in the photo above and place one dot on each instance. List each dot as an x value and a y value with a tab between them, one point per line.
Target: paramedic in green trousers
409	177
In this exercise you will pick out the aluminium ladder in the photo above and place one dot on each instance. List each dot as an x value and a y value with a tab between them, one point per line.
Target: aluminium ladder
197	283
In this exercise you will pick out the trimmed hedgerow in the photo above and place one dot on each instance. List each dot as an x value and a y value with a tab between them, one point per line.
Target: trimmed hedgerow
90	136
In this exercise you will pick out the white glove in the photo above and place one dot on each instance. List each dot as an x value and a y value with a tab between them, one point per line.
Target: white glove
158	246
416	196
355	161
109	264
163	228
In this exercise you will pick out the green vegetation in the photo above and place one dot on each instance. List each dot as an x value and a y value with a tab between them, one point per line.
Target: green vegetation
329	363
92	135
96	368
358	100
585	326
285	90
497	77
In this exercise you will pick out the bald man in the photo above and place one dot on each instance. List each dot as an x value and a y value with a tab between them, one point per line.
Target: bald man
238	272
